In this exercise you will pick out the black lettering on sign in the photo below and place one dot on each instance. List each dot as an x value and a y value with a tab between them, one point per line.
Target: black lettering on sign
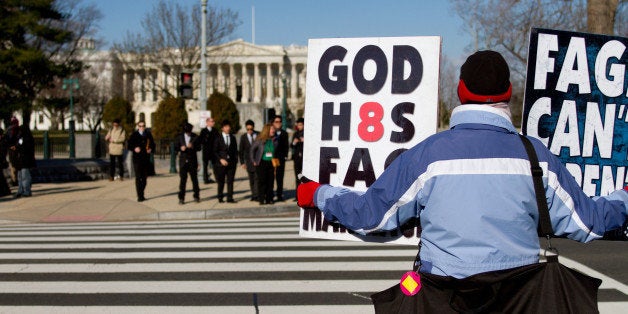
393	156
407	132
360	156
326	167
340	72
330	120
410	54
376	54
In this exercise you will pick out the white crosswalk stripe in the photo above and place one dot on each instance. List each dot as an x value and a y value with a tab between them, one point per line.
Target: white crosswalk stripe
220	266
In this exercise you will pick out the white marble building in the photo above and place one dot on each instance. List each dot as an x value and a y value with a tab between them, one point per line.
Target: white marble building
249	74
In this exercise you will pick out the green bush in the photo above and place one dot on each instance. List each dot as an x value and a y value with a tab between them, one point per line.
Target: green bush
119	108
168	118
222	107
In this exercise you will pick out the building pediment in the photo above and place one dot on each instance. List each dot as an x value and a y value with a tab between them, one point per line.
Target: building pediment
243	49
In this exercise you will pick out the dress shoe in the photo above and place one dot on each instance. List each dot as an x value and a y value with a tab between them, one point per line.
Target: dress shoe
181	202
121	179
270	202
262	202
231	201
280	199
110	179
17	195
197	200
220	200
141	199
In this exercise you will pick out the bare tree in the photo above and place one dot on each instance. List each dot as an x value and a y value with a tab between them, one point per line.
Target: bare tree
505	25
170	39
601	16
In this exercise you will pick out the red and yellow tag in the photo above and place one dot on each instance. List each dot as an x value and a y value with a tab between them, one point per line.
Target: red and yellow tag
410	283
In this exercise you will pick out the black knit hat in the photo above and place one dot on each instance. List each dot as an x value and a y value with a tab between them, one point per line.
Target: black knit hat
484	78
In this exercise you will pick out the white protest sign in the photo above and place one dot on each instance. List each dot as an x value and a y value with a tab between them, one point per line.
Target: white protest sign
367	101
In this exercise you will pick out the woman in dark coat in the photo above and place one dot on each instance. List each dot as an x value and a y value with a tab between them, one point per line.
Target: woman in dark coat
262	153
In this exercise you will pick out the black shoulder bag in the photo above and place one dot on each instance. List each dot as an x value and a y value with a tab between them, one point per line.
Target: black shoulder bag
545	287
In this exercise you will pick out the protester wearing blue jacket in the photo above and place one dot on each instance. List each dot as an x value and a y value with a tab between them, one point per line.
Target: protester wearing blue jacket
472	188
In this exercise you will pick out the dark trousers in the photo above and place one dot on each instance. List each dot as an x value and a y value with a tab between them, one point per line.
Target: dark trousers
141	172
184	170
115	161
206	174
279	171
265	177
223	174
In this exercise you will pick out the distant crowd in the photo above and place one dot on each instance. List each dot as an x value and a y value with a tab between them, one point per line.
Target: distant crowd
262	154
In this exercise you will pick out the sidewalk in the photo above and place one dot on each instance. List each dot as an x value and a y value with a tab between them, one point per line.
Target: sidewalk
103	200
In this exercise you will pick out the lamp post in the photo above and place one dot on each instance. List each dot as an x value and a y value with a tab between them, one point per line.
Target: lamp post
203	96
71	84
283	101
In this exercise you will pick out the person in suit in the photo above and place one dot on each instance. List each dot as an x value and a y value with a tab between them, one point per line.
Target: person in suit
142	144
246	141
226	159
207	137
281	142
188	144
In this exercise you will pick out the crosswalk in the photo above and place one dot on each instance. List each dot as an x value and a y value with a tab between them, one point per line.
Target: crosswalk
221	266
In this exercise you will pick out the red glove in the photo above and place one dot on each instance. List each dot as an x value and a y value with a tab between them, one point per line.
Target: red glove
626	188
305	193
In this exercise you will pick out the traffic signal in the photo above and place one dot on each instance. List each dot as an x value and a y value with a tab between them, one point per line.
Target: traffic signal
185	85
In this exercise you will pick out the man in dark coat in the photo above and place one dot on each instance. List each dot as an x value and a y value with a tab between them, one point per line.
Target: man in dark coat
207	138
281	142
22	156
297	150
226	159
142	144
246	141
188	144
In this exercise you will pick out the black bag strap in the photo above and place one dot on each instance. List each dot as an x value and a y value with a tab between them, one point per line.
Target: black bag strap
545	225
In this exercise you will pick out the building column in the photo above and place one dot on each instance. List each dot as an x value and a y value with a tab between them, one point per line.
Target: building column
245	84
257	86
232	82
294	78
221	79
269	82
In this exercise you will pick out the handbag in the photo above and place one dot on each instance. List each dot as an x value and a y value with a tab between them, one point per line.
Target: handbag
276	162
547	287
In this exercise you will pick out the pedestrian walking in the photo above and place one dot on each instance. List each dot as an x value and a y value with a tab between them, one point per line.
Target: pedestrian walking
22	156
142	144
226	155
116	137
188	144
246	141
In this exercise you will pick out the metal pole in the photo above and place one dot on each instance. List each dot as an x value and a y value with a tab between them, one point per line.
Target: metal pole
71	84
203	98
283	103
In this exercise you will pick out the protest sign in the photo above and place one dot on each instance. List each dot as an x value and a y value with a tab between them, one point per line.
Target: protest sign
577	104
367	101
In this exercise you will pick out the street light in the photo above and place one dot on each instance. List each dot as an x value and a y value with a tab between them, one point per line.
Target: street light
283	101
71	84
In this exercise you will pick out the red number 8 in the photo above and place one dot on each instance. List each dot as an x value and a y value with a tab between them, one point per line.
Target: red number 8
373	121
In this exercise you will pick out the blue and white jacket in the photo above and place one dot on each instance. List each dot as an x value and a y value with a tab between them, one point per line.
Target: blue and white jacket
472	188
